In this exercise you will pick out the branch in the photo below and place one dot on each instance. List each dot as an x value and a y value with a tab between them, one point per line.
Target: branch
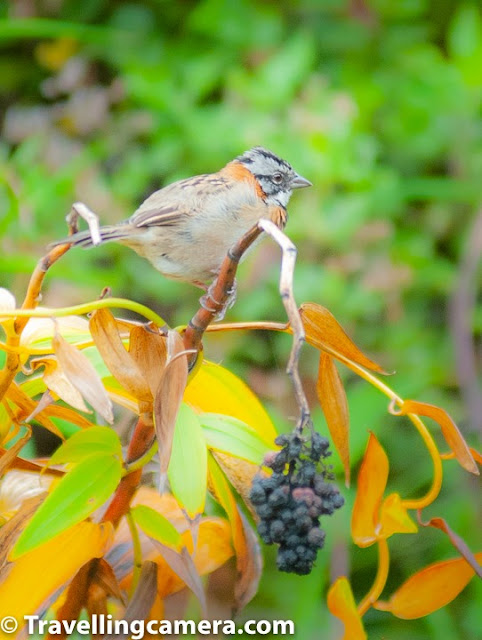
288	261
219	293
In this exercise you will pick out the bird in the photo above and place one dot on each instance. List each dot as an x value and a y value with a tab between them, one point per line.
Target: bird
186	228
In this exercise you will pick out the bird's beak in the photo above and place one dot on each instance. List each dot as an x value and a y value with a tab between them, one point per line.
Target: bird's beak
299	182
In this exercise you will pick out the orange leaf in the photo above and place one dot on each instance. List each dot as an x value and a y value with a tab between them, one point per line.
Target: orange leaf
372	480
108	341
169	397
332	397
28	406
450	431
394	517
342	605
22	591
456	540
83	376
429	589
322	330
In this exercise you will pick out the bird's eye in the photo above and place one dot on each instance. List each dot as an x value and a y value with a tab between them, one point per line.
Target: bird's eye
277	178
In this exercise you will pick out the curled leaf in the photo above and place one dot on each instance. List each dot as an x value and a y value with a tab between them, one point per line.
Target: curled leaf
332	397
83	376
169	397
56	380
450	431
323	330
371	483
430	589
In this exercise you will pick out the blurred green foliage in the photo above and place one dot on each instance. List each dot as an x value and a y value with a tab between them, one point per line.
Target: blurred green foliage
377	102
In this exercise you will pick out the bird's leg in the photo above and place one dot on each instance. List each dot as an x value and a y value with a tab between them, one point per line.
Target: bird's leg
208	301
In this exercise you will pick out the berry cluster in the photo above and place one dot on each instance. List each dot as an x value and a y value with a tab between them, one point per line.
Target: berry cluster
289	503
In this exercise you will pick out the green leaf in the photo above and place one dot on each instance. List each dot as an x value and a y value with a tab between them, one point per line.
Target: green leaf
78	494
156	526
187	470
228	434
86	443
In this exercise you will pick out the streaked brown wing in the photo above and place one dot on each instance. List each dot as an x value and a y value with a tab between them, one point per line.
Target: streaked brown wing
171	205
159	216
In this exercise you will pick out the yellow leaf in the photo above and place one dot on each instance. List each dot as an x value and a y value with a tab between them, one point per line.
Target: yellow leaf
216	390
371	483
29	581
332	397
429	589
394	517
342	605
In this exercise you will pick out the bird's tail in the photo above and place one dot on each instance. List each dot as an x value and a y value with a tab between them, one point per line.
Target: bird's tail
84	238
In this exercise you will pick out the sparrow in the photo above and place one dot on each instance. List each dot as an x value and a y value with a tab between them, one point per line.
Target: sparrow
186	228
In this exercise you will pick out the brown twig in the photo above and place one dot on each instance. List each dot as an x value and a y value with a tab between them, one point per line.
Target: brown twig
219	293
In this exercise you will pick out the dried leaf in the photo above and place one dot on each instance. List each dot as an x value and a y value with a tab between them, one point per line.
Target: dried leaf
56	380
458	542
168	398
149	352
371	483
10	531
332	397
142	600
83	376
106	579
430	589
182	564
450	431
28	407
322	329
248	554
119	362
342	605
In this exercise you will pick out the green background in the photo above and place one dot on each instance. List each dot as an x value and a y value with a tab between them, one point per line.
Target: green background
378	103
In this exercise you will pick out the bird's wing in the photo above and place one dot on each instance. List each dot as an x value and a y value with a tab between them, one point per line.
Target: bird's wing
169	206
